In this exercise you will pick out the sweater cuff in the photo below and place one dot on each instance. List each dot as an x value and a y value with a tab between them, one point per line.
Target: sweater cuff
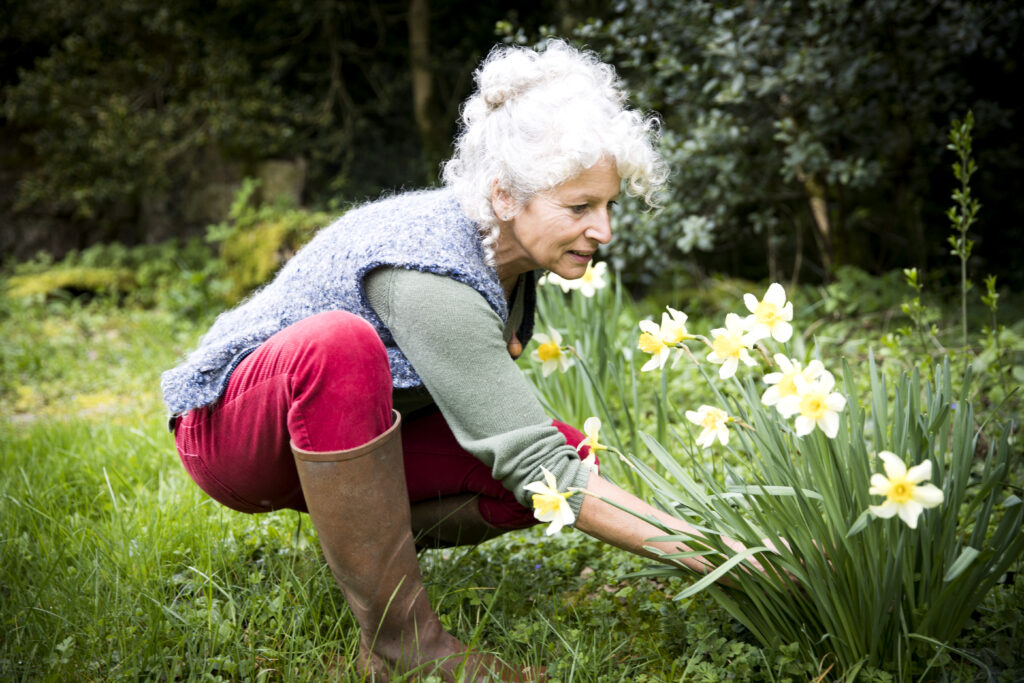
579	481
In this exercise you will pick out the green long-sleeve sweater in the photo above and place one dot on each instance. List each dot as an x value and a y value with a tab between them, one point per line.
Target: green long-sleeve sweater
458	346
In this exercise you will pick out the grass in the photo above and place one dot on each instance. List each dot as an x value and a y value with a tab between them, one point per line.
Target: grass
115	567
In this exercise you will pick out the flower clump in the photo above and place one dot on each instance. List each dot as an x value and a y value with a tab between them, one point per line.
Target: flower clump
804	392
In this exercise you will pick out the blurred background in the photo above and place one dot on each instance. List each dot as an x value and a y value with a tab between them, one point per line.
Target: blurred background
805	138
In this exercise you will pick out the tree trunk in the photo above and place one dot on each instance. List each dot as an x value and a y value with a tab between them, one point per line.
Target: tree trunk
819	212
422	81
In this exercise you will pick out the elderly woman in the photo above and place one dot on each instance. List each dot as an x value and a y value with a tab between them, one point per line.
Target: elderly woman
373	382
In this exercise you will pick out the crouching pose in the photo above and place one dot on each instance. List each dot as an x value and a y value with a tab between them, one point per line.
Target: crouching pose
373	382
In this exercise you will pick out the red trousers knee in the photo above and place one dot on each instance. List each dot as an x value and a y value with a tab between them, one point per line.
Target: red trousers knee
324	384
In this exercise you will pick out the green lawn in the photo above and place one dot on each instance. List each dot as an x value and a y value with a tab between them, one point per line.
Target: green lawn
113	566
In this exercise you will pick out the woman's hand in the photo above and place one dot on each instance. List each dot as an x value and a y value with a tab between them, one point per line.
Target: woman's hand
605	521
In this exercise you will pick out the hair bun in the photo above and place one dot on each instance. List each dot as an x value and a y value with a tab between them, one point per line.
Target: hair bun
507	74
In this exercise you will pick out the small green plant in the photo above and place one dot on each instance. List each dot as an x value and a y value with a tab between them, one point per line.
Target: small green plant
925	332
964	211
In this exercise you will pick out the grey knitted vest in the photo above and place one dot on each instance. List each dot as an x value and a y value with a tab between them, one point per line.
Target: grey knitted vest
424	231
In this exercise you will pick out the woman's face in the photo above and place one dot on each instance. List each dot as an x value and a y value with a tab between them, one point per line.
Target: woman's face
560	229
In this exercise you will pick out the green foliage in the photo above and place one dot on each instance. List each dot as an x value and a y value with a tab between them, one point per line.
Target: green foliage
883	602
73	280
258	238
125	112
964	211
789	124
178	277
882	594
128	95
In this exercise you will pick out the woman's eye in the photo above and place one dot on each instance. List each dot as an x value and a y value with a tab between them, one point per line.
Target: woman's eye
579	208
612	204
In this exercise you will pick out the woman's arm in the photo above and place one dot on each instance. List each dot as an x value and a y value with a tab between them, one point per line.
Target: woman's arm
606	522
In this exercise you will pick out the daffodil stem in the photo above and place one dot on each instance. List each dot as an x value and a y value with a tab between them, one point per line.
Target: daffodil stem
597	392
663	407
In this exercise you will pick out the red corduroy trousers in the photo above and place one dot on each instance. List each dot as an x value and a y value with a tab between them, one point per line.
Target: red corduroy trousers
324	383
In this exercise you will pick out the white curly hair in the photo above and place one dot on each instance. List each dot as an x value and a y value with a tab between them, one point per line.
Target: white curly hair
539	118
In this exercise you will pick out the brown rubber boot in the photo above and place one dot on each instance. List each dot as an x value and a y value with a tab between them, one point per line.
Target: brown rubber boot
358	502
451	521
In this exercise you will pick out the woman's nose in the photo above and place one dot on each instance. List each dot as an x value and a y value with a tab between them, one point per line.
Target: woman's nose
600	228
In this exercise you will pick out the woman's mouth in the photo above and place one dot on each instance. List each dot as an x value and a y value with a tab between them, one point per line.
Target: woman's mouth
581	256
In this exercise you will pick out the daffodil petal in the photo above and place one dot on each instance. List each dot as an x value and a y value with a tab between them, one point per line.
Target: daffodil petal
835	402
909	512
649	326
804	425
829	424
782	332
879	485
788	406
920	472
775	294
885	510
928	495
653	364
894	467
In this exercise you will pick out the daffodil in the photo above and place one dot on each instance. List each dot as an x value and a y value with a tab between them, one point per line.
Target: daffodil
593	279
903	491
814	404
713	423
783	384
549	352
659	340
730	345
771	315
549	505
592	428
555	279
652	343
673	326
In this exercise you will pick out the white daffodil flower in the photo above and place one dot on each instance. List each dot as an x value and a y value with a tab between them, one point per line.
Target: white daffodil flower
593	279
903	491
730	345
555	279
771	316
660	340
549	352
592	428
815	405
652	343
713	423
783	384
549	505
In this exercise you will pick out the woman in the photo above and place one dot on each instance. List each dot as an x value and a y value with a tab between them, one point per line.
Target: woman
373	382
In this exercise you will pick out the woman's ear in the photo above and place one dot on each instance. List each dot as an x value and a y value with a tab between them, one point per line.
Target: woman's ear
502	203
